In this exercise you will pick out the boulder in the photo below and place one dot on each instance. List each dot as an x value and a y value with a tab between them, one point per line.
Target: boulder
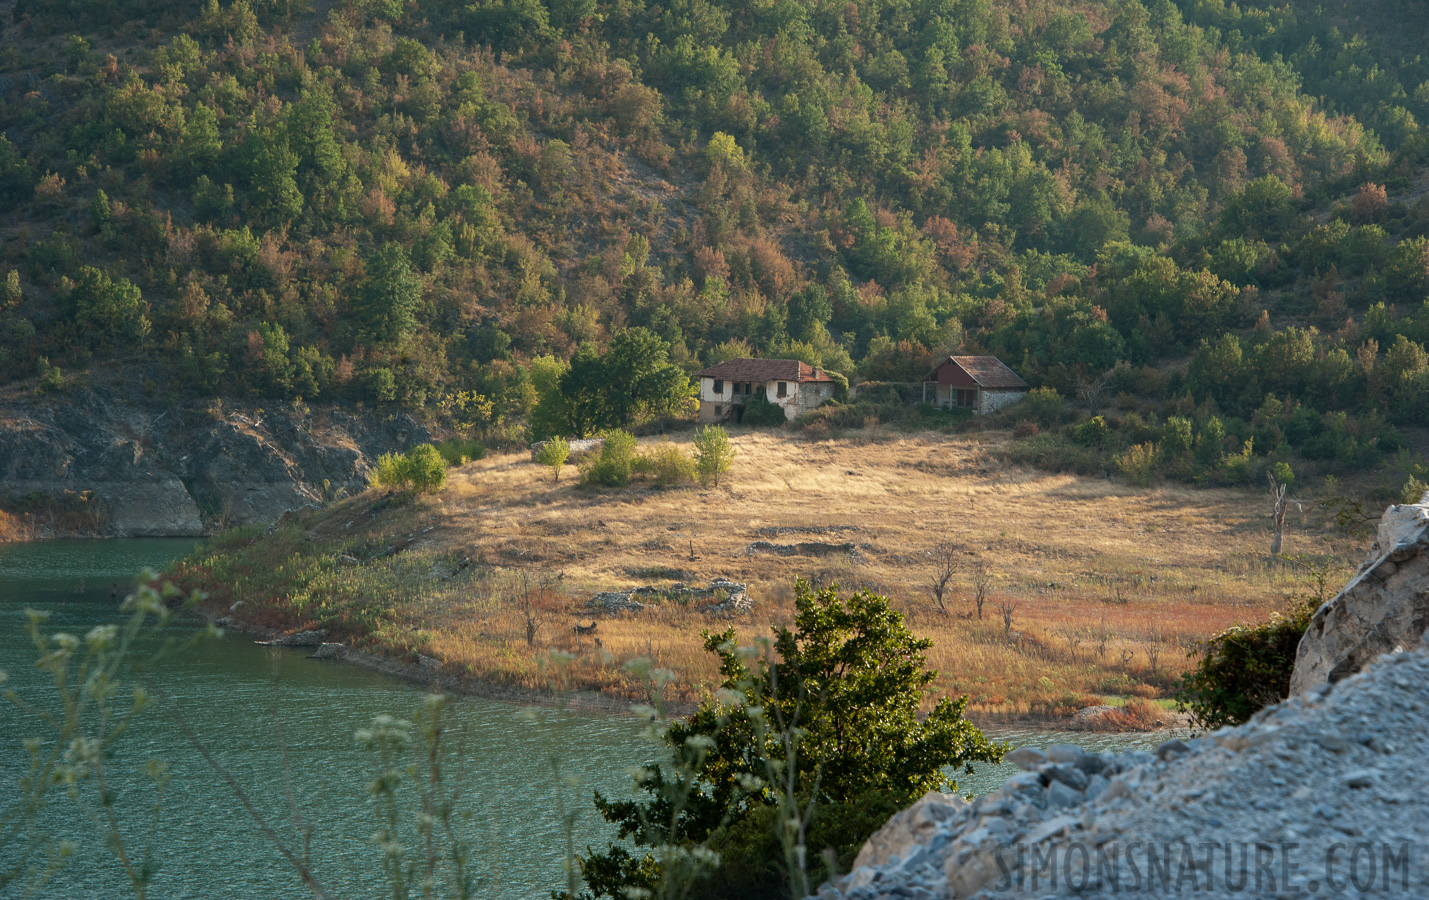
1385	607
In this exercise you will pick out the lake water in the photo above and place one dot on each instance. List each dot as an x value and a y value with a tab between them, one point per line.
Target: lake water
283	725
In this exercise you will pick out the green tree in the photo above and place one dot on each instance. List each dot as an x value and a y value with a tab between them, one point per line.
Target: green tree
850	675
553	454
714	454
584	395
111	312
639	379
548	415
390	296
273	169
425	469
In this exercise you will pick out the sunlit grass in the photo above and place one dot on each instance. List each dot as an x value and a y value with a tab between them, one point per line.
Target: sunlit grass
1110	585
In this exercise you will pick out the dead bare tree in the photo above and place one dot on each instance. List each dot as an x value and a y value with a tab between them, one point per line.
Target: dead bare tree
1153	653
1007	608
532	595
1092	393
1279	506
982	582
1127	655
946	558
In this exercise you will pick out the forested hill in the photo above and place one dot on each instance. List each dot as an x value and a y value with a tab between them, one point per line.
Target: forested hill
402	202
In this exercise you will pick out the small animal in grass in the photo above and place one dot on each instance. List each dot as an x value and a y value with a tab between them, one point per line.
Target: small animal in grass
585	629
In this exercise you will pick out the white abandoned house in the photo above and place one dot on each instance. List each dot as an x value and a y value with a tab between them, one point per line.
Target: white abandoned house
980	383
793	386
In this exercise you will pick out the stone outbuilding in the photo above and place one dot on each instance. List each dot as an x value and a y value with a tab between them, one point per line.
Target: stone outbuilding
980	383
793	386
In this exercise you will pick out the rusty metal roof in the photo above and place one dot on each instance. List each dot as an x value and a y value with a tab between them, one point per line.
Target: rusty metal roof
764	370
989	372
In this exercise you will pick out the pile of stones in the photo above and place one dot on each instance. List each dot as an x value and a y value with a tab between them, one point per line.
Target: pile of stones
728	598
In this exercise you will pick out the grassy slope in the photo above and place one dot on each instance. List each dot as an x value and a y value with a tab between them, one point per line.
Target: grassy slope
376	570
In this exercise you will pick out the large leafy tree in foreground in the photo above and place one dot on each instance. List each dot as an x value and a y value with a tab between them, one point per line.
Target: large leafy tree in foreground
835	703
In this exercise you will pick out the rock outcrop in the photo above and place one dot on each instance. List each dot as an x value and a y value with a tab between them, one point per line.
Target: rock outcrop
165	471
1385	607
1310	796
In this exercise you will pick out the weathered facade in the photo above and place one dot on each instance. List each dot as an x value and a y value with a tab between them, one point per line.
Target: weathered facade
980	383
793	386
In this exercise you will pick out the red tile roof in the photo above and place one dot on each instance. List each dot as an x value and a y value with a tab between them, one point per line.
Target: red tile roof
988	371
764	370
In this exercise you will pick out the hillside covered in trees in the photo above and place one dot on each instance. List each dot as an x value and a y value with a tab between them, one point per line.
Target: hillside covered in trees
1207	214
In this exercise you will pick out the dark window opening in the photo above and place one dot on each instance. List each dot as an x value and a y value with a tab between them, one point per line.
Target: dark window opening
783	389
719	386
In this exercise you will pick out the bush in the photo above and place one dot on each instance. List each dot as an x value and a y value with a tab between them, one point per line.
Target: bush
1026	428
553	454
1044	406
666	464
422	469
425	469
714	454
1413	491
615	464
759	411
389	472
1091	433
1138	464
1243	669
460	451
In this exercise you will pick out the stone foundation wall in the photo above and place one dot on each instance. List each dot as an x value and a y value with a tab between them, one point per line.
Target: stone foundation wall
992	401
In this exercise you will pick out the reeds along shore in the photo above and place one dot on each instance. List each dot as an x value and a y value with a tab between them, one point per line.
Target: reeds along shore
1094	592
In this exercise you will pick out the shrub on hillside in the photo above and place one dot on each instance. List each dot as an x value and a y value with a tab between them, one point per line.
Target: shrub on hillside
1138	464
615	463
553	454
1091	433
1044	406
1244	669
714	454
458	451
759	411
422	469
426	468
666	465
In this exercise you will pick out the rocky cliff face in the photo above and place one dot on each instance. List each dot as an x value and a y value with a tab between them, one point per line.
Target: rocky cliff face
172	471
1318	795
1385	607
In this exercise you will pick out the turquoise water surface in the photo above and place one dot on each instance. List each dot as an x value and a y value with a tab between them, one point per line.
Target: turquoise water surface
283	725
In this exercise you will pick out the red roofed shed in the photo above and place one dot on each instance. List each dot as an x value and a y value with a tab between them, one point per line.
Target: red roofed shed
980	383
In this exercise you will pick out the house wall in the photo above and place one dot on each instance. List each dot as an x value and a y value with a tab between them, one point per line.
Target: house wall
802	398
992	401
950	373
812	395
707	394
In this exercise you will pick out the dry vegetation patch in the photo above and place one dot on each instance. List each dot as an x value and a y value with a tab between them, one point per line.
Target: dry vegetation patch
1092	589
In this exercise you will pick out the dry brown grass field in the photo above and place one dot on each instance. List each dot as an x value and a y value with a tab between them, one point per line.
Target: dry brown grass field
1106	586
